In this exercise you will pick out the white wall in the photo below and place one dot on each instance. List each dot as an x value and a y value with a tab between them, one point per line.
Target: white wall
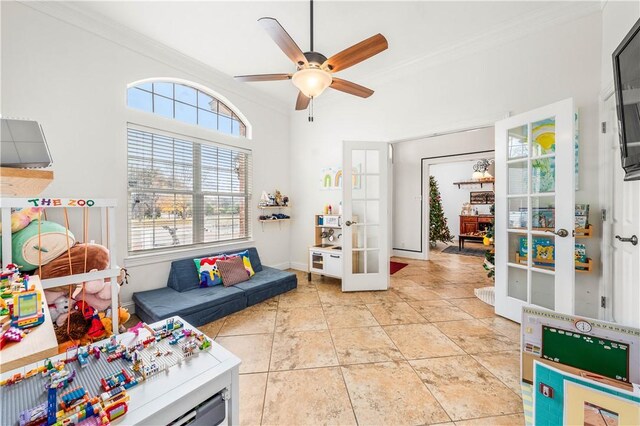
617	19
408	238
73	81
453	197
540	68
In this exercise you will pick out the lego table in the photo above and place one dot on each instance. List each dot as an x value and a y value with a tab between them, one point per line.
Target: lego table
40	343
158	400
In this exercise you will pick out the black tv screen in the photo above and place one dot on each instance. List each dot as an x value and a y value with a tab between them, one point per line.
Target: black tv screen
626	69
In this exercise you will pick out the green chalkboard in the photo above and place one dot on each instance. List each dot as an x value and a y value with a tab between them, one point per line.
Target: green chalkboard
601	356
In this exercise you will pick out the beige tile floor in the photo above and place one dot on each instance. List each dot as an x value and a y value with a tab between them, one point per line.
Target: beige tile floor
424	352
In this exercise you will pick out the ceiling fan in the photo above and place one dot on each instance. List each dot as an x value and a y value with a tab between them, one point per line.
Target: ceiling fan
314	71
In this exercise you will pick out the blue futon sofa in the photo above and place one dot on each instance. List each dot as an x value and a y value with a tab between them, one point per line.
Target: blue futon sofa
183	297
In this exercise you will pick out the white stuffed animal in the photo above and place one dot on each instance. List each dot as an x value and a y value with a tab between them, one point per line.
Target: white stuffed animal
59	309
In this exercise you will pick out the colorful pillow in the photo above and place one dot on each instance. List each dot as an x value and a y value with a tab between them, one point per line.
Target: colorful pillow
233	271
208	271
245	260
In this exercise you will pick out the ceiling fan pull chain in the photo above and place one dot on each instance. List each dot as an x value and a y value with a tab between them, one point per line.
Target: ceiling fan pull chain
311	111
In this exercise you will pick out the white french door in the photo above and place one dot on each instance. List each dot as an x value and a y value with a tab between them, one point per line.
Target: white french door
535	208
621	257
365	221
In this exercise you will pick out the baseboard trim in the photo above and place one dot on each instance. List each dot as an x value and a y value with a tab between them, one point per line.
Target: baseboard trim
299	266
129	306
281	266
408	254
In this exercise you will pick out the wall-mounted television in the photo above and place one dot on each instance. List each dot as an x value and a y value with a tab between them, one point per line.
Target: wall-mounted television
626	75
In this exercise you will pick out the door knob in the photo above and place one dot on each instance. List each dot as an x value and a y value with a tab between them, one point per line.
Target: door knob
560	232
633	239
349	223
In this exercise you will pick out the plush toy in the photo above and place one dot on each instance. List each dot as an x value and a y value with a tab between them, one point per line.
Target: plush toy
78	328
96	329
97	293
97	258
60	308
107	322
21	218
40	241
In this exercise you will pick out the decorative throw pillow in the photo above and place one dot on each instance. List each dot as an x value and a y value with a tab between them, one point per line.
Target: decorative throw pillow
208	271
245	260
233	271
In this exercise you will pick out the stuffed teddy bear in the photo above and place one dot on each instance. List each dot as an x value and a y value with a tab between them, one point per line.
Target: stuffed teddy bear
97	293
60	309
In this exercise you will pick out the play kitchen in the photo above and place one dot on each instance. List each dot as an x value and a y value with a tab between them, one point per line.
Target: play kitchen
325	256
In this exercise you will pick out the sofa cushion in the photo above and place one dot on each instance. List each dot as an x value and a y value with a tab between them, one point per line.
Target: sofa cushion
183	275
165	302
267	283
204	316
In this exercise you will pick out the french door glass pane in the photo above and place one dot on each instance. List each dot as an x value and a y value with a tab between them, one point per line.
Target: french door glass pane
372	261
358	157
357	261
358	236
517	283
543	175
518	218
543	133
373	233
358	187
373	212
518	141
543	290
373	186
518	248
543	213
543	250
373	161
518	177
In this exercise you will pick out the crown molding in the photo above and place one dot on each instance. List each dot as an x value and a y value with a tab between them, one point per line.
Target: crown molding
498	35
127	38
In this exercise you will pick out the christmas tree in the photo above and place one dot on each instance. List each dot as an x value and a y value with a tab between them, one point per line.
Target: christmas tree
438	229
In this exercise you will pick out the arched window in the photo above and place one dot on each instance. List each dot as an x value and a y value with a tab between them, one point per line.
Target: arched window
186	103
185	191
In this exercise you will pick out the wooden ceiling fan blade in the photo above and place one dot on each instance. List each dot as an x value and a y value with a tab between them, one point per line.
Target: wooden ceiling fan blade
283	40
263	77
302	102
357	53
350	88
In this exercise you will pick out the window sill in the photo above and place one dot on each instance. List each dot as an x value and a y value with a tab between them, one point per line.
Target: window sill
132	261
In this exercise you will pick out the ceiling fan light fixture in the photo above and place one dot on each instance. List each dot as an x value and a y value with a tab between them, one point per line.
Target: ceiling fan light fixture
312	81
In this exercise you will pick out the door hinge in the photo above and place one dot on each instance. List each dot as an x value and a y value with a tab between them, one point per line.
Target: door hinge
603	302
604	215
604	127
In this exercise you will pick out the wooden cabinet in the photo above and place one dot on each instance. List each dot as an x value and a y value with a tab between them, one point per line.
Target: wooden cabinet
472	224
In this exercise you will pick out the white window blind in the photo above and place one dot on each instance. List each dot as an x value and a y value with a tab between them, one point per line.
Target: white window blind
184	193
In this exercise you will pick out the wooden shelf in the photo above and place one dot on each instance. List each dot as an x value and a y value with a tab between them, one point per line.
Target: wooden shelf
475	182
273	207
23	182
273	220
546	264
584	232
